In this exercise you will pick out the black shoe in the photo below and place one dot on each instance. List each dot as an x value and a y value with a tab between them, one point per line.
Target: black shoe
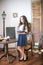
21	60
25	60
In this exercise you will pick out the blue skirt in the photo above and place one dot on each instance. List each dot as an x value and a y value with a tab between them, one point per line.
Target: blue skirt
22	40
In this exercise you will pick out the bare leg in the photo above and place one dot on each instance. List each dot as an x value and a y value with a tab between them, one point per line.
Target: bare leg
21	49
24	55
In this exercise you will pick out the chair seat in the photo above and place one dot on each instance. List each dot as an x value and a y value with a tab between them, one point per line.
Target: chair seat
35	51
41	50
27	47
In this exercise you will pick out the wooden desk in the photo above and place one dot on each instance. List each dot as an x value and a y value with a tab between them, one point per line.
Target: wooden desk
6	45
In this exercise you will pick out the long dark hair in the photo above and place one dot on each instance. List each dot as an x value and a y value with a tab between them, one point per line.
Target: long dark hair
25	22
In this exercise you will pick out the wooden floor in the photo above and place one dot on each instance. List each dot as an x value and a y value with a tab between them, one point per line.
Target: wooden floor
32	60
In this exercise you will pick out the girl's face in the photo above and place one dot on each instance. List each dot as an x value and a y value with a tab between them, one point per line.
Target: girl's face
22	20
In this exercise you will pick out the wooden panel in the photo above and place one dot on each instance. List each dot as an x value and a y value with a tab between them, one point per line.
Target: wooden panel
36	27
36	18
42	16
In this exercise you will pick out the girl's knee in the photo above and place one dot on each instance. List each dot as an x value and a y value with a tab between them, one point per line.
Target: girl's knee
19	47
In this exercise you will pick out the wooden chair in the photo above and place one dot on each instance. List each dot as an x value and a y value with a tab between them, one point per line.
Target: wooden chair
36	47
29	44
27	48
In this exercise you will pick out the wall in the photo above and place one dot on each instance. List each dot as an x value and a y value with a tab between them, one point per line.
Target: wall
22	7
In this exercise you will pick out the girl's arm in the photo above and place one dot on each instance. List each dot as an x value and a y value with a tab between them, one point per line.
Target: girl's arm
21	32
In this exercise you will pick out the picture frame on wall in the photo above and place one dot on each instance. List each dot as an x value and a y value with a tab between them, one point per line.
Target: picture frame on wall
15	15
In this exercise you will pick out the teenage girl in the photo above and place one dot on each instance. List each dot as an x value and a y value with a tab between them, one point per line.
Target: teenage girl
22	36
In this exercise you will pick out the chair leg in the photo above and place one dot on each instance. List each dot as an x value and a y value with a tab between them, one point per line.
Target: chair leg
31	52
26	52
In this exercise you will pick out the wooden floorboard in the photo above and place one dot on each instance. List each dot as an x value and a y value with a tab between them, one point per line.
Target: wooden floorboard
32	60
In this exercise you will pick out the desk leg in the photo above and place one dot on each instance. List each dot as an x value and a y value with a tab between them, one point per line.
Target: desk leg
7	54
2	56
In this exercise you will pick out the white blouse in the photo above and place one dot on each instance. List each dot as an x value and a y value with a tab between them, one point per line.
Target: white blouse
21	28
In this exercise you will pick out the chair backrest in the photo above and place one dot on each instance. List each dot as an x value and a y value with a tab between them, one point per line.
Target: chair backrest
29	36
41	41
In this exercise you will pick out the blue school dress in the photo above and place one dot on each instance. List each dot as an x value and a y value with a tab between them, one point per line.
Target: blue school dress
22	38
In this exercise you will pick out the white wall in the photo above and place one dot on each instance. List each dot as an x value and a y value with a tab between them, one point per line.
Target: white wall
22	7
